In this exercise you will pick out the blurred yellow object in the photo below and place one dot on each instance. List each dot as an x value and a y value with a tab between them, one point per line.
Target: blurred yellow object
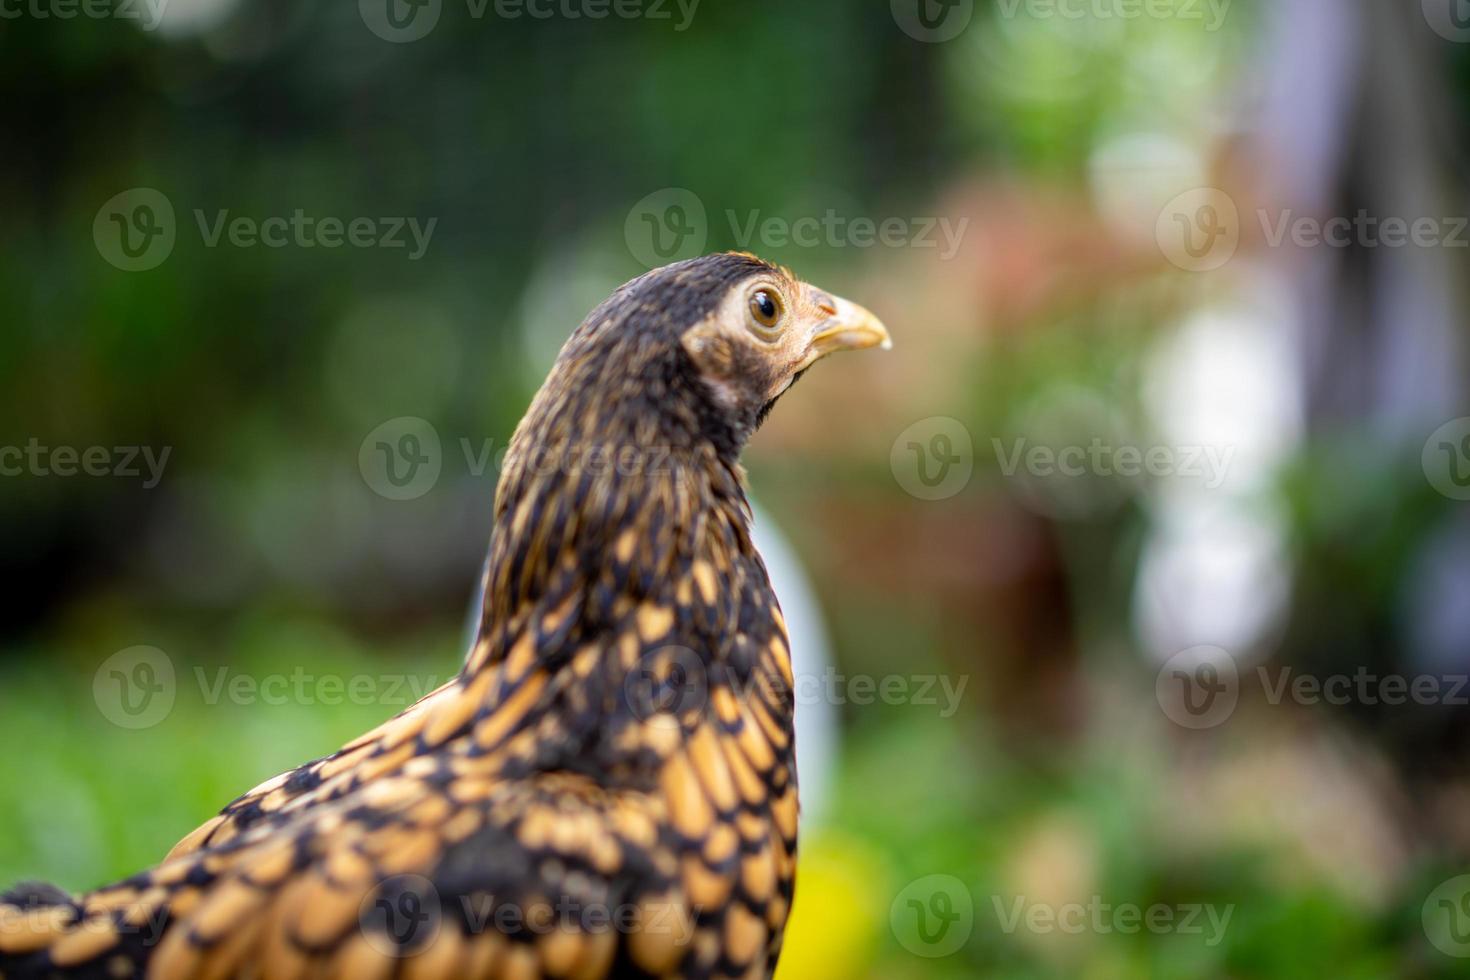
841	884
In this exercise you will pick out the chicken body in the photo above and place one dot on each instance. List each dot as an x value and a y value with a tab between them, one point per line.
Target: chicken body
608	787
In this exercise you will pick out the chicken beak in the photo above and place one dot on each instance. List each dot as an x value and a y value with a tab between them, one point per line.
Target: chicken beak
848	327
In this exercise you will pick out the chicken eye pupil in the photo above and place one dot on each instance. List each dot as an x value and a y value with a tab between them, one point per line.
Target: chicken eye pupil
765	308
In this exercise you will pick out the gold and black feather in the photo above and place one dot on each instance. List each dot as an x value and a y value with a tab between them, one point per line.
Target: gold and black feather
608	786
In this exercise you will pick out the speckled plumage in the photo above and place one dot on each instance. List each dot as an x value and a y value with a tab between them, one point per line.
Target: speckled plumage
608	787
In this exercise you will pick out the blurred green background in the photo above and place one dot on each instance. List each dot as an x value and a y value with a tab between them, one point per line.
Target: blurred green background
1055	142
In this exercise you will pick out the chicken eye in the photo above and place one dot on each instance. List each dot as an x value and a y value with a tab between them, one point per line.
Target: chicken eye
765	307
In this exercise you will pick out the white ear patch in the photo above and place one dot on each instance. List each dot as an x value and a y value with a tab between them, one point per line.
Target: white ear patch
724	392
713	355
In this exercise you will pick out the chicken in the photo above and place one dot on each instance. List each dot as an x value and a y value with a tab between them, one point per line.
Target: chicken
607	788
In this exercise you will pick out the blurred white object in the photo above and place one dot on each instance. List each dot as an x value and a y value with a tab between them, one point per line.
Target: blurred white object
1215	567
811	657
